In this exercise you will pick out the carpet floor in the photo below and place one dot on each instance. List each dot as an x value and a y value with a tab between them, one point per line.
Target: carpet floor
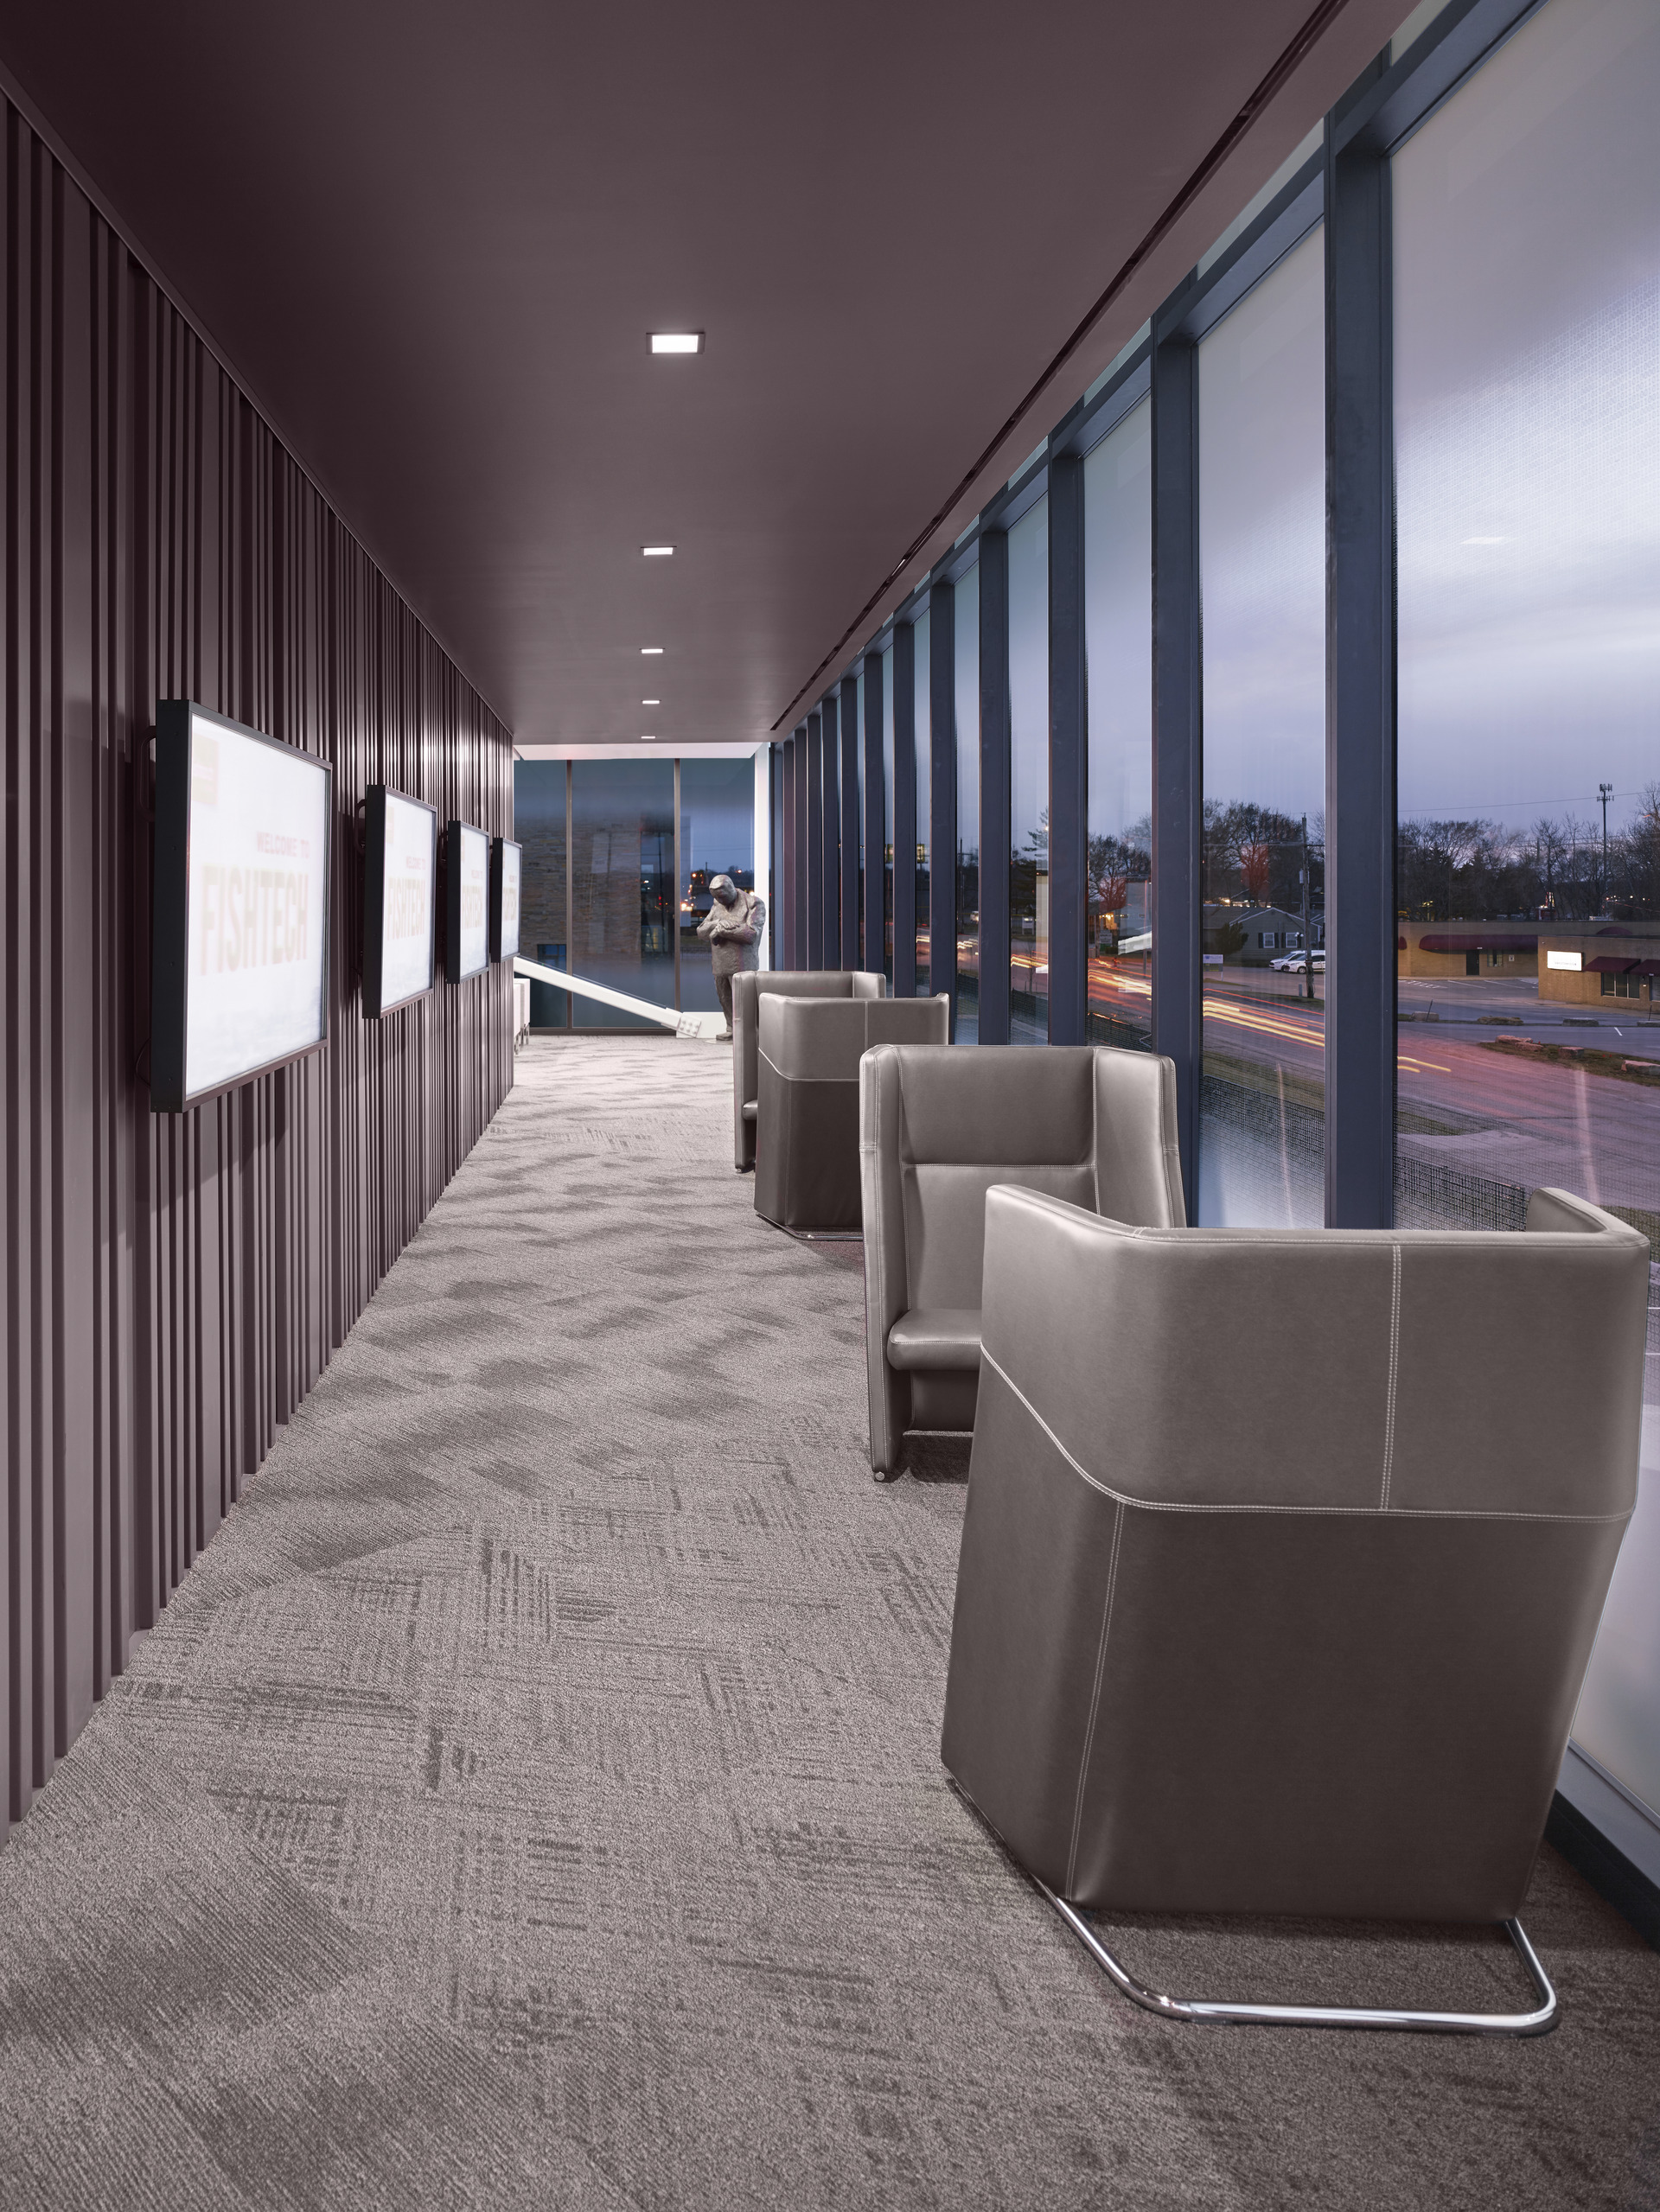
532	1798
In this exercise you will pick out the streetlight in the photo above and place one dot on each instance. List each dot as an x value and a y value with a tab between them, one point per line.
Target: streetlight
1605	792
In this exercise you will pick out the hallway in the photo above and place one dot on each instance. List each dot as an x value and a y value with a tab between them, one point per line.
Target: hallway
531	1796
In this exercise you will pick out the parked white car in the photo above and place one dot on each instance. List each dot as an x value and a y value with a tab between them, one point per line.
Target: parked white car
1297	963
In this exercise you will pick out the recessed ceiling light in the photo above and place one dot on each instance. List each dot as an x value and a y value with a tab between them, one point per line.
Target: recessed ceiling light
646	740
651	648
651	702
656	552
677	341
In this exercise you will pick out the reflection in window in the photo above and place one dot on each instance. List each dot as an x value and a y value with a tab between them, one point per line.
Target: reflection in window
887	813
1262	590
623	884
1029	777
967	703
1118	636
717	838
922	707
1527	392
538	825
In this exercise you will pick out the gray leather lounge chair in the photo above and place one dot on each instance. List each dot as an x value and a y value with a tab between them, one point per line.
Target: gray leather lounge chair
937	1129
749	988
807	1174
1219	1650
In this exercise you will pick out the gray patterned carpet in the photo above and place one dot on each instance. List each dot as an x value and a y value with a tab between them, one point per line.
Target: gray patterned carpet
533	1798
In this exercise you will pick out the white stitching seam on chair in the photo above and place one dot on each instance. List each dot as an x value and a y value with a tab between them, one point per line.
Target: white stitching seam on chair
1332	1512
1394	1370
1095	1703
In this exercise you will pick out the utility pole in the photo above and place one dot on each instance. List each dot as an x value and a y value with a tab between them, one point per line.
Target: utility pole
1308	942
1605	792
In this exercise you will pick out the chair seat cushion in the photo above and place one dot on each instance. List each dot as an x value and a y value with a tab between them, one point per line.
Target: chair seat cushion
936	1336
752	1107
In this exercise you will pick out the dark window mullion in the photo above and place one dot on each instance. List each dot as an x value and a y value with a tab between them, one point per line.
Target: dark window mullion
942	795
1360	782
875	822
1069	743
904	811
1177	724
812	873
995	803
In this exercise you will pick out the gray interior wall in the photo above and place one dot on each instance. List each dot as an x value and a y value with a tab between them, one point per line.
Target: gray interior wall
173	1286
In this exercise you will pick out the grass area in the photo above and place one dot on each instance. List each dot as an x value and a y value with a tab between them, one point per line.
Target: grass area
1408	1124
1590	1057
1258	1075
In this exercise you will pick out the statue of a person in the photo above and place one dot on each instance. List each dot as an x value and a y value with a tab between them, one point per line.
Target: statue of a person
733	926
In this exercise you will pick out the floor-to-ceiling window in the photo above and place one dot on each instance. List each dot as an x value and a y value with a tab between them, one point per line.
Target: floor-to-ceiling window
1526	218
623	888
717	838
1029	777
538	817
1118	637
887	813
1262	592
922	708
966	706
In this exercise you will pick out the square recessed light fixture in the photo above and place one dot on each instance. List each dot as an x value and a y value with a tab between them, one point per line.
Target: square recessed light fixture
656	552
677	341
649	649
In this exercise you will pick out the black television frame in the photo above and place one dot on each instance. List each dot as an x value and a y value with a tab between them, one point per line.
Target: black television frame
498	862
453	971
170	932
374	902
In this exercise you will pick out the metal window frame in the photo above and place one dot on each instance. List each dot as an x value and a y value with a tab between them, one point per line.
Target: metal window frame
851	737
874	904
996	798
904	810
811	887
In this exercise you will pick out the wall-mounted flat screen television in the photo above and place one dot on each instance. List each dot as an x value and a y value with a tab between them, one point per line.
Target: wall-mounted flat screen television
400	869
240	927
504	899
467	902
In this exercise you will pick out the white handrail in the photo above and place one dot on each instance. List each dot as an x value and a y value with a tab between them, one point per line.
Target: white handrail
684	1025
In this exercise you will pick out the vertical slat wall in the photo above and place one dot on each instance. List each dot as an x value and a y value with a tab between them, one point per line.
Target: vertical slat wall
173	1285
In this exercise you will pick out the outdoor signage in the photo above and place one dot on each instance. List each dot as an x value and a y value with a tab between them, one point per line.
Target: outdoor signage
504	899
400	866
239	934
467	898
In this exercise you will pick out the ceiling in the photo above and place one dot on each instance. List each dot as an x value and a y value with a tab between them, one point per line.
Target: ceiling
430	241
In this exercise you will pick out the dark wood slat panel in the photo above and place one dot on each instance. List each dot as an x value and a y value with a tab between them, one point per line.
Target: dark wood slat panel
173	1286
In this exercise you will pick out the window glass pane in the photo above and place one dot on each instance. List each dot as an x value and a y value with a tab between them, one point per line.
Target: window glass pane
923	709
538	825
623	885
887	813
717	838
1262	589
1527	383
1029	777
1118	639
966	702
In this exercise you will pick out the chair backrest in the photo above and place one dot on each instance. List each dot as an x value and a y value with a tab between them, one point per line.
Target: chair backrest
1387	1581
749	987
820	1041
1080	1123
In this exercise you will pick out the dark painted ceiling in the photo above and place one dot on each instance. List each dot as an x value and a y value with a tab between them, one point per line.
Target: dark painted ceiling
431	239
